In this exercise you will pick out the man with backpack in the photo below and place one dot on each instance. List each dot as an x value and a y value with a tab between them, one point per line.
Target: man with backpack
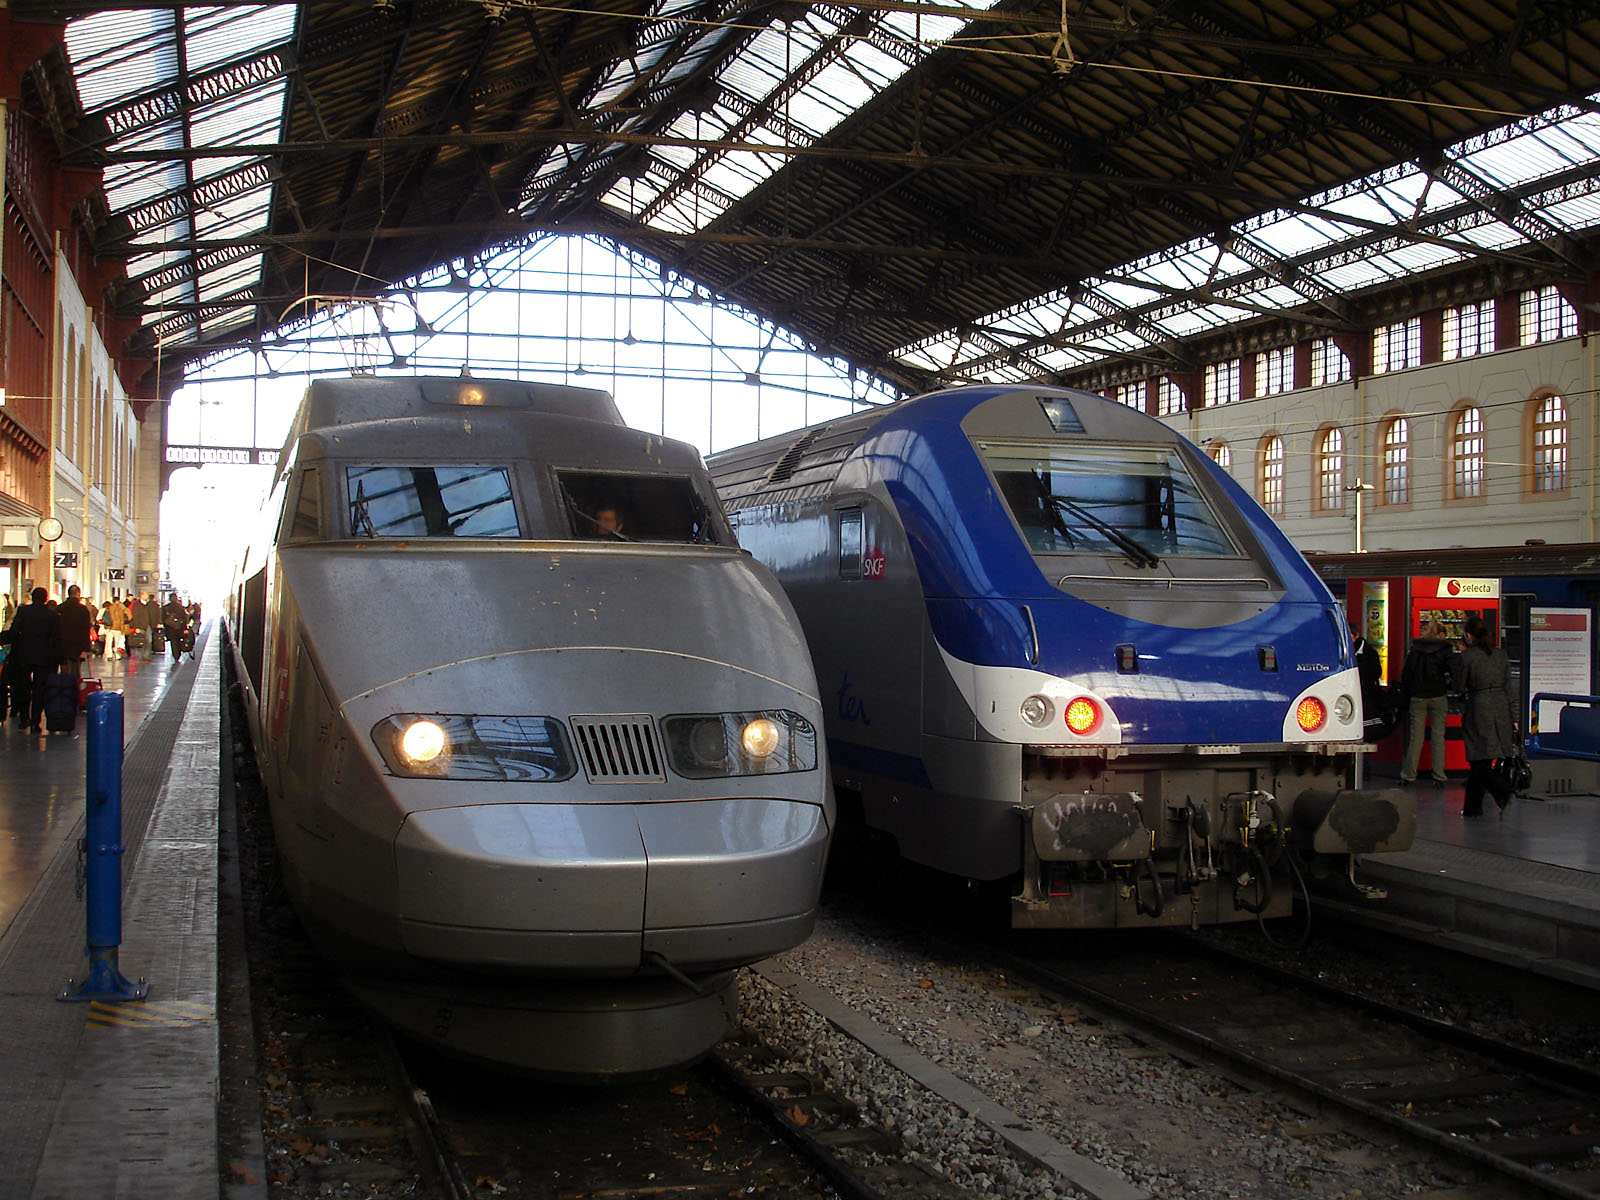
1425	679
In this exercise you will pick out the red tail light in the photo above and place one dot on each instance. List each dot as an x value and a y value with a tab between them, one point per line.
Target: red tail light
1083	715
1312	714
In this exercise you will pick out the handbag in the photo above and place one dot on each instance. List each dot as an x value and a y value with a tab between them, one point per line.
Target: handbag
1513	772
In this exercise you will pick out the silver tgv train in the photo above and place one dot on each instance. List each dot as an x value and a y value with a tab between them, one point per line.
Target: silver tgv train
541	745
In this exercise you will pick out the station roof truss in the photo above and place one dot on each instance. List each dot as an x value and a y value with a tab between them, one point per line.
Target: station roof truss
936	191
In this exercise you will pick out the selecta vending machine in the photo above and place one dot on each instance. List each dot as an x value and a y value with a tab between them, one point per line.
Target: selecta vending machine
1390	613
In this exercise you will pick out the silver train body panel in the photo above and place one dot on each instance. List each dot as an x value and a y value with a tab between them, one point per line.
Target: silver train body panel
574	905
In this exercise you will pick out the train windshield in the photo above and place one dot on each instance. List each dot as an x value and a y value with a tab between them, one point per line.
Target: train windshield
1136	501
416	502
616	506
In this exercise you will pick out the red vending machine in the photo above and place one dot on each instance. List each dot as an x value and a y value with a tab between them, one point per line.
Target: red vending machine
1390	612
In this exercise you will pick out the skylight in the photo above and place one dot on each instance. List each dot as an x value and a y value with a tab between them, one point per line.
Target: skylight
1397	222
841	59
138	69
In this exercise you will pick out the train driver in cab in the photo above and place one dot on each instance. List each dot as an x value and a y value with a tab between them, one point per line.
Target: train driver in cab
608	521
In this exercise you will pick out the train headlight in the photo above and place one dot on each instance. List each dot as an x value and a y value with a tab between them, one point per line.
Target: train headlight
1344	708
715	745
1311	714
511	749
761	737
1036	711
1083	716
422	742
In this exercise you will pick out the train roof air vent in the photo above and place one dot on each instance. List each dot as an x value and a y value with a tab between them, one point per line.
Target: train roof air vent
787	464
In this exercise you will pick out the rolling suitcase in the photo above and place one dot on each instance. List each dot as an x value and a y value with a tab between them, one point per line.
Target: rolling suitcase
60	703
87	685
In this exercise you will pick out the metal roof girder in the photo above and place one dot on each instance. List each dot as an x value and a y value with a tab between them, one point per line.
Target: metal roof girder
182	95
818	61
1503	204
1244	247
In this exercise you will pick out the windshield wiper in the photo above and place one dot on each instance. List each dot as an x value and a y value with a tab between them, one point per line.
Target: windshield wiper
1137	554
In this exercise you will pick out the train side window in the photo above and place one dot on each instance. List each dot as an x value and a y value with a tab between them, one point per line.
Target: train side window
850	543
304	516
619	506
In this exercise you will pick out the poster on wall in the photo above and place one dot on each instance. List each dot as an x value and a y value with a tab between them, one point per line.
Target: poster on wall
1560	658
1375	620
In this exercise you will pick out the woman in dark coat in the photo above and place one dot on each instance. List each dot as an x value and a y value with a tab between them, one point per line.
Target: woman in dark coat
1488	730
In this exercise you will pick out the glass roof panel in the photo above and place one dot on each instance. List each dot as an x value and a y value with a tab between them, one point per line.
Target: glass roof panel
218	282
859	69
1296	233
1491	235
130	189
117	55
127	58
1579	213
230	122
216	35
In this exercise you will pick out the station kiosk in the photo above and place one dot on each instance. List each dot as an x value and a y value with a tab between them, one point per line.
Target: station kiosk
1390	613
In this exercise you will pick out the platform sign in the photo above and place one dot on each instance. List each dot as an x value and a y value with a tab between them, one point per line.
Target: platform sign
1560	658
65	560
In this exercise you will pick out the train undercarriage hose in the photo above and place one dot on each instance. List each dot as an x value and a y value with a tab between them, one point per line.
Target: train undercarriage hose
1154	908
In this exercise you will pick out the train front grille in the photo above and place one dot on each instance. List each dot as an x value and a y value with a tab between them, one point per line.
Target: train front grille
619	749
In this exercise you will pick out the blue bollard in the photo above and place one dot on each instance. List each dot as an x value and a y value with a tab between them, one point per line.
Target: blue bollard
102	857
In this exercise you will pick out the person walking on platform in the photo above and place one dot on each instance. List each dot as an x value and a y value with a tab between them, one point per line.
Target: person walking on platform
1488	729
174	620
1425	680
146	619
1377	721
116	627
77	631
36	651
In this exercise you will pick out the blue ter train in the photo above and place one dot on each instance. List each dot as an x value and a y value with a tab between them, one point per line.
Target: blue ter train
1058	647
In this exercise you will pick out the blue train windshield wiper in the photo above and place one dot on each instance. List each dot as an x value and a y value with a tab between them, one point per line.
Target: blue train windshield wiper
1137	554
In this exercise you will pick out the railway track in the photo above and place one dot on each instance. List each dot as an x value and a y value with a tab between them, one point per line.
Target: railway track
1530	1121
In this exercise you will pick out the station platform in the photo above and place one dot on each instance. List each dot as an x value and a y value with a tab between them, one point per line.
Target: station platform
1522	888
105	1099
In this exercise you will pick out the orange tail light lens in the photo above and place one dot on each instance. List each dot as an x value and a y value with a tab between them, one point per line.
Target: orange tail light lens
1311	714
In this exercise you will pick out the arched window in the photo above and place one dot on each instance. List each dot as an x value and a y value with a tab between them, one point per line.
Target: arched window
1222	455
1272	474
1330	469
1550	445
1397	462
1467	454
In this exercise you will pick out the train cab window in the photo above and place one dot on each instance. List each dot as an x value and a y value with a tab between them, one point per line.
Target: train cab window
615	506
441	501
303	516
850	543
1071	499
